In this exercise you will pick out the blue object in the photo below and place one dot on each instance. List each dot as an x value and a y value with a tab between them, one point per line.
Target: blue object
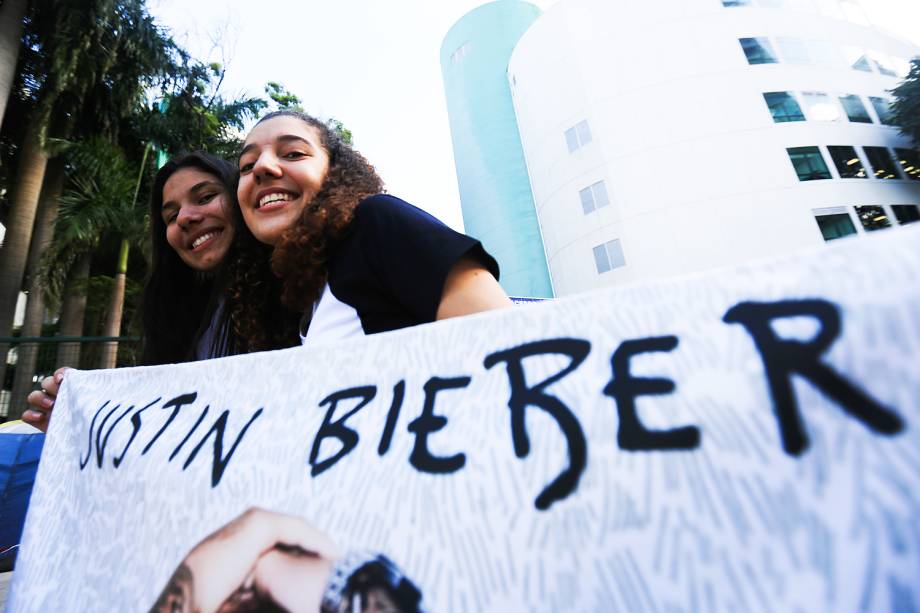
20	449
495	194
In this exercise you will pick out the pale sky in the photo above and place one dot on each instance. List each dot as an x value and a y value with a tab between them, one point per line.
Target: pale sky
375	66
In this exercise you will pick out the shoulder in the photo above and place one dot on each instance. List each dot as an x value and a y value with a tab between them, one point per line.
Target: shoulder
384	209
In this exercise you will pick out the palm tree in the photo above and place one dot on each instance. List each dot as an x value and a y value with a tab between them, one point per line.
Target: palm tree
73	308
101	56
102	200
130	225
193	114
35	306
11	15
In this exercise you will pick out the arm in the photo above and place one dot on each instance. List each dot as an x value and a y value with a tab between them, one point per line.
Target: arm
470	288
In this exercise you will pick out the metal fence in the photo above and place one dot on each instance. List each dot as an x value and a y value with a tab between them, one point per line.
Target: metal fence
30	359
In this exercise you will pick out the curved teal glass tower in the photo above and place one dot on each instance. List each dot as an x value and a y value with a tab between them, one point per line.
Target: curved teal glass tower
495	192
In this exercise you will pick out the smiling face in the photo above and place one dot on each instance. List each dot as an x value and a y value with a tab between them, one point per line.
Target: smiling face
195	213
282	167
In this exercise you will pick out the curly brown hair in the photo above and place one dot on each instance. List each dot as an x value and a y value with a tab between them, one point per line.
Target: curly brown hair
269	289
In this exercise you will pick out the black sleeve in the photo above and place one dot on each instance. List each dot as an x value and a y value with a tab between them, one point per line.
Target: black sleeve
412	252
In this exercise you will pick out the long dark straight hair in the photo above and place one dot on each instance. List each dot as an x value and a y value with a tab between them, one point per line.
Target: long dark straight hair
179	303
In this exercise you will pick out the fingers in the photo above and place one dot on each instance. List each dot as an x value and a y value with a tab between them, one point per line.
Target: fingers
293	581
294	531
39	411
258	530
36	418
41	402
223	561
264	529
52	385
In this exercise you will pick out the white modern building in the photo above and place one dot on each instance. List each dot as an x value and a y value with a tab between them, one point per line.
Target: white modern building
674	136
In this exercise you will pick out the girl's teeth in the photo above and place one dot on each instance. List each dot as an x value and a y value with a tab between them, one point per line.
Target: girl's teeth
273	198
202	239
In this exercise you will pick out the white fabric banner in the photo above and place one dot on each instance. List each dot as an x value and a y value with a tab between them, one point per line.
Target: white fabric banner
743	440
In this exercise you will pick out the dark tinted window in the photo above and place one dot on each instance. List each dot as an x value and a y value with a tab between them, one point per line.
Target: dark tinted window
883	109
835	226
809	164
882	164
855	109
910	162
758	51
906	213
873	217
847	162
783	107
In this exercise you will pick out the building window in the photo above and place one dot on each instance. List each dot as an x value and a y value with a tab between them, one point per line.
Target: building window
910	162
594	197
882	108
609	256
847	162
884	64
821	107
784	107
461	52
873	217
906	213
758	51
809	164
855	109
882	164
836	225
578	136
856	58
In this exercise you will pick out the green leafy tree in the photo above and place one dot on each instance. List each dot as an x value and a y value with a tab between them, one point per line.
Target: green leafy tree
285	100
102	200
282	98
92	59
344	132
906	107
191	112
11	17
27	353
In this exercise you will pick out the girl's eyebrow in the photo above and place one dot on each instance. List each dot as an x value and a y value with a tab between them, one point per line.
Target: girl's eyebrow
244	150
202	185
284	138
169	204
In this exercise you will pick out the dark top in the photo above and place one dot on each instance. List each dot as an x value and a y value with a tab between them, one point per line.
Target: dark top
392	265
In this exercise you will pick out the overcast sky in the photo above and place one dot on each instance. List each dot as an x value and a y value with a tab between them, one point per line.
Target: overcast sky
375	66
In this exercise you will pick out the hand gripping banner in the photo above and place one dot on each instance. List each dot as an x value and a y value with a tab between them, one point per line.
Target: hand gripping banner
741	440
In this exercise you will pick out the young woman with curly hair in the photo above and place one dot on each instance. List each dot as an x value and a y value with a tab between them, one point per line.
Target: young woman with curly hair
351	260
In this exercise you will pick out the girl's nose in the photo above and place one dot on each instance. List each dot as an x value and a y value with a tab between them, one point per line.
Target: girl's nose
266	167
188	215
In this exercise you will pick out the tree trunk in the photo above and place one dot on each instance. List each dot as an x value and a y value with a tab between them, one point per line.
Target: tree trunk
42	233
72	311
112	327
29	177
11	14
